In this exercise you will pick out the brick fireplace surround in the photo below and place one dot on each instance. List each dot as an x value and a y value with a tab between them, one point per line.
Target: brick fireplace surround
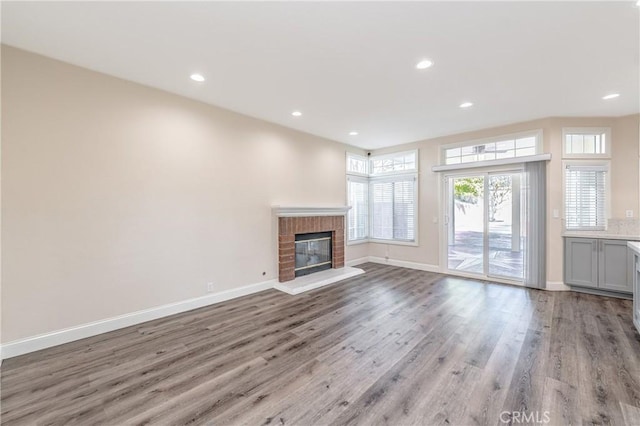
288	227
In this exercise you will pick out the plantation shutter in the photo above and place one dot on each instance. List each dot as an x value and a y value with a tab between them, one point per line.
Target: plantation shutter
393	207
358	193
585	196
382	210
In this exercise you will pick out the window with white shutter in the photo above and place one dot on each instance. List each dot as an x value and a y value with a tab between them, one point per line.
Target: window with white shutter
393	208
358	216
585	195
384	200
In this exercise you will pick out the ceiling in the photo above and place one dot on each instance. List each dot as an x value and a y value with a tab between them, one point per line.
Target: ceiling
351	66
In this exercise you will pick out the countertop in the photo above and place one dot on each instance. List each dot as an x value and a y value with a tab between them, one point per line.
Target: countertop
634	246
609	235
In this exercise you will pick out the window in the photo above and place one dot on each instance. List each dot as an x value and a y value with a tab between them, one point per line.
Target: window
498	148
382	194
358	216
387	164
357	198
586	142
393	208
357	165
585	195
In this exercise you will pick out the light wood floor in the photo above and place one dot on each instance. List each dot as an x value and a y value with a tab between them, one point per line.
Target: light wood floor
393	346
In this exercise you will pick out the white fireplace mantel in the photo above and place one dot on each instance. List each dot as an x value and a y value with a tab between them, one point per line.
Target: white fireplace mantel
281	211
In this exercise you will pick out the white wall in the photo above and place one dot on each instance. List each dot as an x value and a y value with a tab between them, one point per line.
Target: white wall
118	197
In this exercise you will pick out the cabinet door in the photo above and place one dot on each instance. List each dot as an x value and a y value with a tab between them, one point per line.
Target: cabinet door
613	266
581	262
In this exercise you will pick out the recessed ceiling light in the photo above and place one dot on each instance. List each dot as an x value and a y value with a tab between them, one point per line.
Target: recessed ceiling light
424	64
638	3
197	77
353	133
611	96
296	113
466	105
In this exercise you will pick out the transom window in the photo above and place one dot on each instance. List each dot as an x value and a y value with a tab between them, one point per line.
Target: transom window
498	148
586	142
392	163
357	165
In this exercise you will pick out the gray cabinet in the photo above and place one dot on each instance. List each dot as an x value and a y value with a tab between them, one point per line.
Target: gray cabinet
605	265
614	267
581	262
636	290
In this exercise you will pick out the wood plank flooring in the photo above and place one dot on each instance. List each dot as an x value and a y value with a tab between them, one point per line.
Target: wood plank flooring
393	346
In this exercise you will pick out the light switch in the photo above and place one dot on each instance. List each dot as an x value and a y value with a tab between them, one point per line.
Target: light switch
556	213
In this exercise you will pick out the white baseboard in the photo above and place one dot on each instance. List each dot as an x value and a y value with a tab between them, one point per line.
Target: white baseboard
358	261
557	286
405	264
42	341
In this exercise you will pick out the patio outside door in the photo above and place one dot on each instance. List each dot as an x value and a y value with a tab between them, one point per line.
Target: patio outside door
484	225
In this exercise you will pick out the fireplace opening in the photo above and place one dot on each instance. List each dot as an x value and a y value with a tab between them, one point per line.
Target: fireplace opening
313	253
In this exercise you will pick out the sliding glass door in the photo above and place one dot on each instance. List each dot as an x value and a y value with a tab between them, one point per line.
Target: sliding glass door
466	223
484	224
506	241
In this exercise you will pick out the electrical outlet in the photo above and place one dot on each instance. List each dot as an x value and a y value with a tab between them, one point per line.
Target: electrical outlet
209	287
629	213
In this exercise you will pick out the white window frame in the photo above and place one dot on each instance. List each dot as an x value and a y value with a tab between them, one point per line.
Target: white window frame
587	131
537	134
607	205
387	176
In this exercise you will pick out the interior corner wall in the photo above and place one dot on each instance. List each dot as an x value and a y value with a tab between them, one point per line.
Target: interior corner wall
625	191
119	197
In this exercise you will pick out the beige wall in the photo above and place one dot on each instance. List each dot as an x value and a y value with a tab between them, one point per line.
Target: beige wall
118	197
624	175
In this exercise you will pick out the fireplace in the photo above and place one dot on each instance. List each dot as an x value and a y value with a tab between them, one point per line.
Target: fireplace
313	252
309	240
